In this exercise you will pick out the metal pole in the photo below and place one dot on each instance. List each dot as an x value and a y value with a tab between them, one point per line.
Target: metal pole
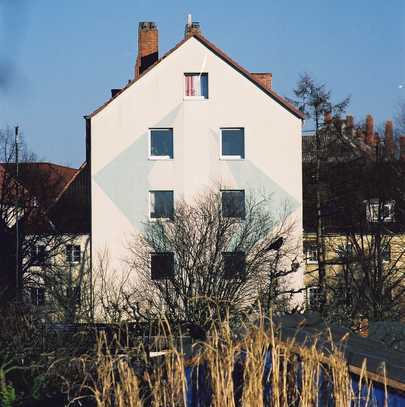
17	203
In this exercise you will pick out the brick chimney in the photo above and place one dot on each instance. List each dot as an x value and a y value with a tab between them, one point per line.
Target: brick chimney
192	27
402	148
370	139
148	47
264	78
389	140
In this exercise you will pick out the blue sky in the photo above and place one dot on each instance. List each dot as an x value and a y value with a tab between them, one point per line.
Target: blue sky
61	58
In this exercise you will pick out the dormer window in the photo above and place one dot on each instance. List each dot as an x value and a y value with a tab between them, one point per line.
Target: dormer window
196	85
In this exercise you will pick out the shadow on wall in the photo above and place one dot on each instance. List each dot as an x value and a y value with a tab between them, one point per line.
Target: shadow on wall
132	168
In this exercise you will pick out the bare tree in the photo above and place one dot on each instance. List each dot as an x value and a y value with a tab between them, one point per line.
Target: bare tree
205	261
369	281
315	101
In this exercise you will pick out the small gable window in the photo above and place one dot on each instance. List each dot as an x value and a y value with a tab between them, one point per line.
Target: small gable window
196	85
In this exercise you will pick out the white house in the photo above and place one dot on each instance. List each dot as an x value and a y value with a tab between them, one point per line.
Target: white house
187	121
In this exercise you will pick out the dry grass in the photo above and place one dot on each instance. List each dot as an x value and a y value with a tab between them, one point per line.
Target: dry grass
295	376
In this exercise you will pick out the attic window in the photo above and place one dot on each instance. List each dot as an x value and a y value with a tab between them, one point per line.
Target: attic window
196	86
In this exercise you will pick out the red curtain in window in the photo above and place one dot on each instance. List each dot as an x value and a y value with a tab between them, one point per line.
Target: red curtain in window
190	86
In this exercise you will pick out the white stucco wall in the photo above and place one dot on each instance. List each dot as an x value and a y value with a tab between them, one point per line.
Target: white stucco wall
122	174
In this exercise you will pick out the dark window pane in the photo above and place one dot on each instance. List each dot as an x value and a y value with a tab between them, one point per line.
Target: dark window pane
162	204
233	204
161	142
233	142
204	85
234	265
162	266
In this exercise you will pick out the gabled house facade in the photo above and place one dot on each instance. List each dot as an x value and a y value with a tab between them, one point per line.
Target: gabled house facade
189	121
44	230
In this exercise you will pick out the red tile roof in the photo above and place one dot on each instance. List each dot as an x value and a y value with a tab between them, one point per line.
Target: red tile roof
290	107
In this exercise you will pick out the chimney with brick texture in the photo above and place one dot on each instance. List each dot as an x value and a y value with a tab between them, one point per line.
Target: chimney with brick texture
389	140
148	47
264	78
370	139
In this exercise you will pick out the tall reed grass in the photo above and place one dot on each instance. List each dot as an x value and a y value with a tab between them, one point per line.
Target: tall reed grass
256	369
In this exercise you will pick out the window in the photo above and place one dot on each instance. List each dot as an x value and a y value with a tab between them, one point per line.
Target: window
73	253
161	144
378	211
233	204
313	298
345	251
38	255
161	204
37	296
386	253
311	253
232	144
234	265
196	85
162	266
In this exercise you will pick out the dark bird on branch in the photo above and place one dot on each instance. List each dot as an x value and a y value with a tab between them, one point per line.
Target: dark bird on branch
276	245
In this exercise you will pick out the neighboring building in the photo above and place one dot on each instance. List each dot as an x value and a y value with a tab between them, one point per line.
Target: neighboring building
362	210
190	120
48	207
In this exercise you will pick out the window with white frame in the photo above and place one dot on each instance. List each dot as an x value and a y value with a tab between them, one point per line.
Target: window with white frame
73	253
232	143
234	265
345	251
313	297
162	266
196	85
161	144
379	211
37	296
311	252
233	203
38	255
161	204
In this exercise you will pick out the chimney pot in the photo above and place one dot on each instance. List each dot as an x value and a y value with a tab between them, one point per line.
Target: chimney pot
192	27
148	46
114	92
389	140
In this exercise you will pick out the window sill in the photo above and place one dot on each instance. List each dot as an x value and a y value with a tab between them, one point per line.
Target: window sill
160	158
195	98
311	262
160	219
231	158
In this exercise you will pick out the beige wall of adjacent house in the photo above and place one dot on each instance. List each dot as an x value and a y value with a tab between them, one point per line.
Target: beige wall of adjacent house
122	173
